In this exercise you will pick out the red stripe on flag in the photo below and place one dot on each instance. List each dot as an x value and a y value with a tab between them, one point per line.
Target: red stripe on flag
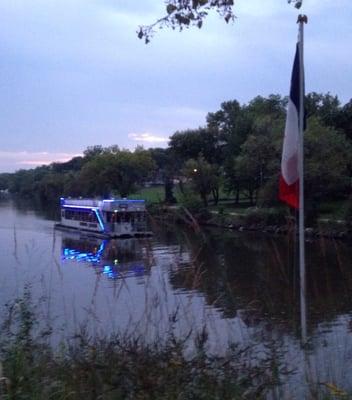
289	193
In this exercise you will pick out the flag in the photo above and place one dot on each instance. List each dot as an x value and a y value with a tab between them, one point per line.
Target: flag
289	178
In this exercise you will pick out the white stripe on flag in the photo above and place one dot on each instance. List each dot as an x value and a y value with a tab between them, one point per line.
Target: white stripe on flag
289	162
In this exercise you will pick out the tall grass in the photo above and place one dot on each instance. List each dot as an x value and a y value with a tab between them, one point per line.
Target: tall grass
122	367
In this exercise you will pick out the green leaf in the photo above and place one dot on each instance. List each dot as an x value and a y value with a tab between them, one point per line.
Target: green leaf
170	8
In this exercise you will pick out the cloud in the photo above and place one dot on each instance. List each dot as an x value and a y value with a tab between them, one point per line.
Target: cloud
74	73
12	160
147	137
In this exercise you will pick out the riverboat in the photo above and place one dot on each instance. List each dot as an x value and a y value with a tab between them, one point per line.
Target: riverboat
109	218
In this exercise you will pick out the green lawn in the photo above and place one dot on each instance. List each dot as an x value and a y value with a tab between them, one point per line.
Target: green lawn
333	209
155	194
150	195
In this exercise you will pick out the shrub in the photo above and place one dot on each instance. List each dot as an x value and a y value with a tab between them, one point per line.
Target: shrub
264	217
191	202
347	211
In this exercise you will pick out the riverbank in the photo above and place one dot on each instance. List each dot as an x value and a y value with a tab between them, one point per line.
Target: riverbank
266	220
121	367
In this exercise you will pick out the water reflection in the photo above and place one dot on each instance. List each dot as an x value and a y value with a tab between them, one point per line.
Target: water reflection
255	276
241	285
115	258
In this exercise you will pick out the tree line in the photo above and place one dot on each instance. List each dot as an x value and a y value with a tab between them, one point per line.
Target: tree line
238	150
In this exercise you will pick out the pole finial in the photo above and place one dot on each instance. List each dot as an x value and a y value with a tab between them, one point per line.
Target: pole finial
302	18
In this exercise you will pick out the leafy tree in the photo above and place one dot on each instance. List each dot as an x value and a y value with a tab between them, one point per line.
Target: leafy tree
232	124
50	187
114	149
256	163
93	151
75	164
121	171
72	184
204	178
95	176
328	158
165	170
193	142
296	3
5	181
267	112
201	143
325	107
255	122
327	165
134	169
345	120
24	182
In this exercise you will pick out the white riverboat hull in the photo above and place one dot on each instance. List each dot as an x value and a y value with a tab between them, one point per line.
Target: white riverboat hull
109	218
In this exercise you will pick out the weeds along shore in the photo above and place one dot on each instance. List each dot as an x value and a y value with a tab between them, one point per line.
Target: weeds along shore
266	220
120	367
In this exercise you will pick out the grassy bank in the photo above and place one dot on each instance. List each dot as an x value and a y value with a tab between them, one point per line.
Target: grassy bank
124	368
330	219
120	367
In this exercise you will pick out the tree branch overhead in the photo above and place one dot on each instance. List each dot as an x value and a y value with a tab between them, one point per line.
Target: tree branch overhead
186	13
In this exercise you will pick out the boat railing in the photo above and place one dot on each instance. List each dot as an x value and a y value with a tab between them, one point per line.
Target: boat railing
82	202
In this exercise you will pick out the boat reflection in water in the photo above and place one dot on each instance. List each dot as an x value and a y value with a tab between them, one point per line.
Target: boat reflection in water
114	258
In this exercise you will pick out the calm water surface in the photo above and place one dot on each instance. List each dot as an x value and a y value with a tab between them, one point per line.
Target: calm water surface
243	287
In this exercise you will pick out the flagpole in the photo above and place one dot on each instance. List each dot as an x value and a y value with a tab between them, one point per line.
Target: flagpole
302	19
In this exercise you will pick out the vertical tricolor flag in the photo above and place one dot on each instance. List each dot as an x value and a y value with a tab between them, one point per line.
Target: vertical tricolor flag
289	178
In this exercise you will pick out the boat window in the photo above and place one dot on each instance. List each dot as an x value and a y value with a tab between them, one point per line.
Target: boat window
110	217
126	217
68	214
85	216
140	217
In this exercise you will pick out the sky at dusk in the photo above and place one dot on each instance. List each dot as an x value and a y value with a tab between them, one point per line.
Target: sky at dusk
74	74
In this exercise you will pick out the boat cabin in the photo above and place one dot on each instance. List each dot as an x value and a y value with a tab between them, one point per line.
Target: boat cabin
109	217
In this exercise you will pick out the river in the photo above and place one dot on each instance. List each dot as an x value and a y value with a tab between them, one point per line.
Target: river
242	286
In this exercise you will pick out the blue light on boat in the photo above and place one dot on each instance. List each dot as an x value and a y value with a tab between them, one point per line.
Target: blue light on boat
123	201
101	223
107	269
79	207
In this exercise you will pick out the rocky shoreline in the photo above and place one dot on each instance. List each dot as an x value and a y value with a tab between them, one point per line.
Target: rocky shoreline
331	229
310	232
